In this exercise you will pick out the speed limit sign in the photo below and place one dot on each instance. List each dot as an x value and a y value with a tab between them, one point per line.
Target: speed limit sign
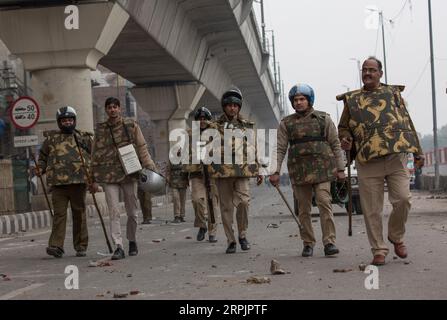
24	113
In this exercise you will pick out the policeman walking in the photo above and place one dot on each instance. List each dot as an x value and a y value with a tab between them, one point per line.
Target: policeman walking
198	188
60	160
377	129
233	179
315	159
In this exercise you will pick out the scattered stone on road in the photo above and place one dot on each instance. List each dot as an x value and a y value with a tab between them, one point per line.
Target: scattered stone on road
258	280
275	268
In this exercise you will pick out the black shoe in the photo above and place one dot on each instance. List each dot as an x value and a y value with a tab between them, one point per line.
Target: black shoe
177	220
146	221
118	254
81	253
308	251
330	249
182	219
133	249
244	244
55	252
212	239
201	234
231	248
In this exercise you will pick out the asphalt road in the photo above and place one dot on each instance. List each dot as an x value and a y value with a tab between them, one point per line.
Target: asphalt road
172	265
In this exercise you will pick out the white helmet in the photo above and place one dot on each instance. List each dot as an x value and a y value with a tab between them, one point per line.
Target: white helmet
152	182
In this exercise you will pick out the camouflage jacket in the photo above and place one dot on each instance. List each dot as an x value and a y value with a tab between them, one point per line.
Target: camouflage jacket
106	165
59	157
379	123
195	170
314	149
178	176
237	162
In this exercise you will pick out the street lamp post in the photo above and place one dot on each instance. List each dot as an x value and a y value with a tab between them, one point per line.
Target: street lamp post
433	93
383	44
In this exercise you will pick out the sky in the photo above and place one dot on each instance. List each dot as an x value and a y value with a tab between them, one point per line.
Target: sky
316	40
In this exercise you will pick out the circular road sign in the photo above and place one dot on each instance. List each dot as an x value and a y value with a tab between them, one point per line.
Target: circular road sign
24	113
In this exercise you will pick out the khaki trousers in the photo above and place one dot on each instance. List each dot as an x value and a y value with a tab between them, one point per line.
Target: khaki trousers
323	199
129	189
391	168
75	195
179	198
200	204
234	193
146	204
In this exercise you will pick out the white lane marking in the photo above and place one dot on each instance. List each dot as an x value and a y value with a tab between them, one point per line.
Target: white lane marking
185	230
18	292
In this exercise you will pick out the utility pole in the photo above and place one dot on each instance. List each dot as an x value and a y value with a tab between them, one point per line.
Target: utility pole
433	94
383	44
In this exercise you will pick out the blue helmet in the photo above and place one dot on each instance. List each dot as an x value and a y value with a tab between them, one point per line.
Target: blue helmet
302	89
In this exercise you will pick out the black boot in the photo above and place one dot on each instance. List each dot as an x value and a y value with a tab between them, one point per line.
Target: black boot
55	252
308	251
118	254
201	234
330	249
133	249
231	248
244	244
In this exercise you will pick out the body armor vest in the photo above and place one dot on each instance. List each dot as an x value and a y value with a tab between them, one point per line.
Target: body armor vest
380	123
310	157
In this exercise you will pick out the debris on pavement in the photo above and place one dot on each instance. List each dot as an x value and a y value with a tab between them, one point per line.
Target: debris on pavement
100	263
188	237
134	292
362	267
258	280
275	268
272	225
5	277
341	270
158	240
120	295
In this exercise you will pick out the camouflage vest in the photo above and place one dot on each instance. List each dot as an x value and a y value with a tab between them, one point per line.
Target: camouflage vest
64	165
106	165
310	158
243	170
178	176
380	123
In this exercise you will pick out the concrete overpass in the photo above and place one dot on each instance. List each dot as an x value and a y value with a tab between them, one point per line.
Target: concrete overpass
180	54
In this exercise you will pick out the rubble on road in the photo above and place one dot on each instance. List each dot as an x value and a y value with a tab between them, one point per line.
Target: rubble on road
341	270
275	268
258	280
100	263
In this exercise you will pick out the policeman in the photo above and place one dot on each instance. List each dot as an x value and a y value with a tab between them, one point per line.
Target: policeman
198	188
377	129
60	160
233	179
315	159
178	182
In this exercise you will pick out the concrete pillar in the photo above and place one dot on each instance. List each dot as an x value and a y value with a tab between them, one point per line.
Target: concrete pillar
54	88
59	59
169	108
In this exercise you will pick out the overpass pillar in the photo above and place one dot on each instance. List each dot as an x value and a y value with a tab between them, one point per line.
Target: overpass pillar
60	59
168	107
